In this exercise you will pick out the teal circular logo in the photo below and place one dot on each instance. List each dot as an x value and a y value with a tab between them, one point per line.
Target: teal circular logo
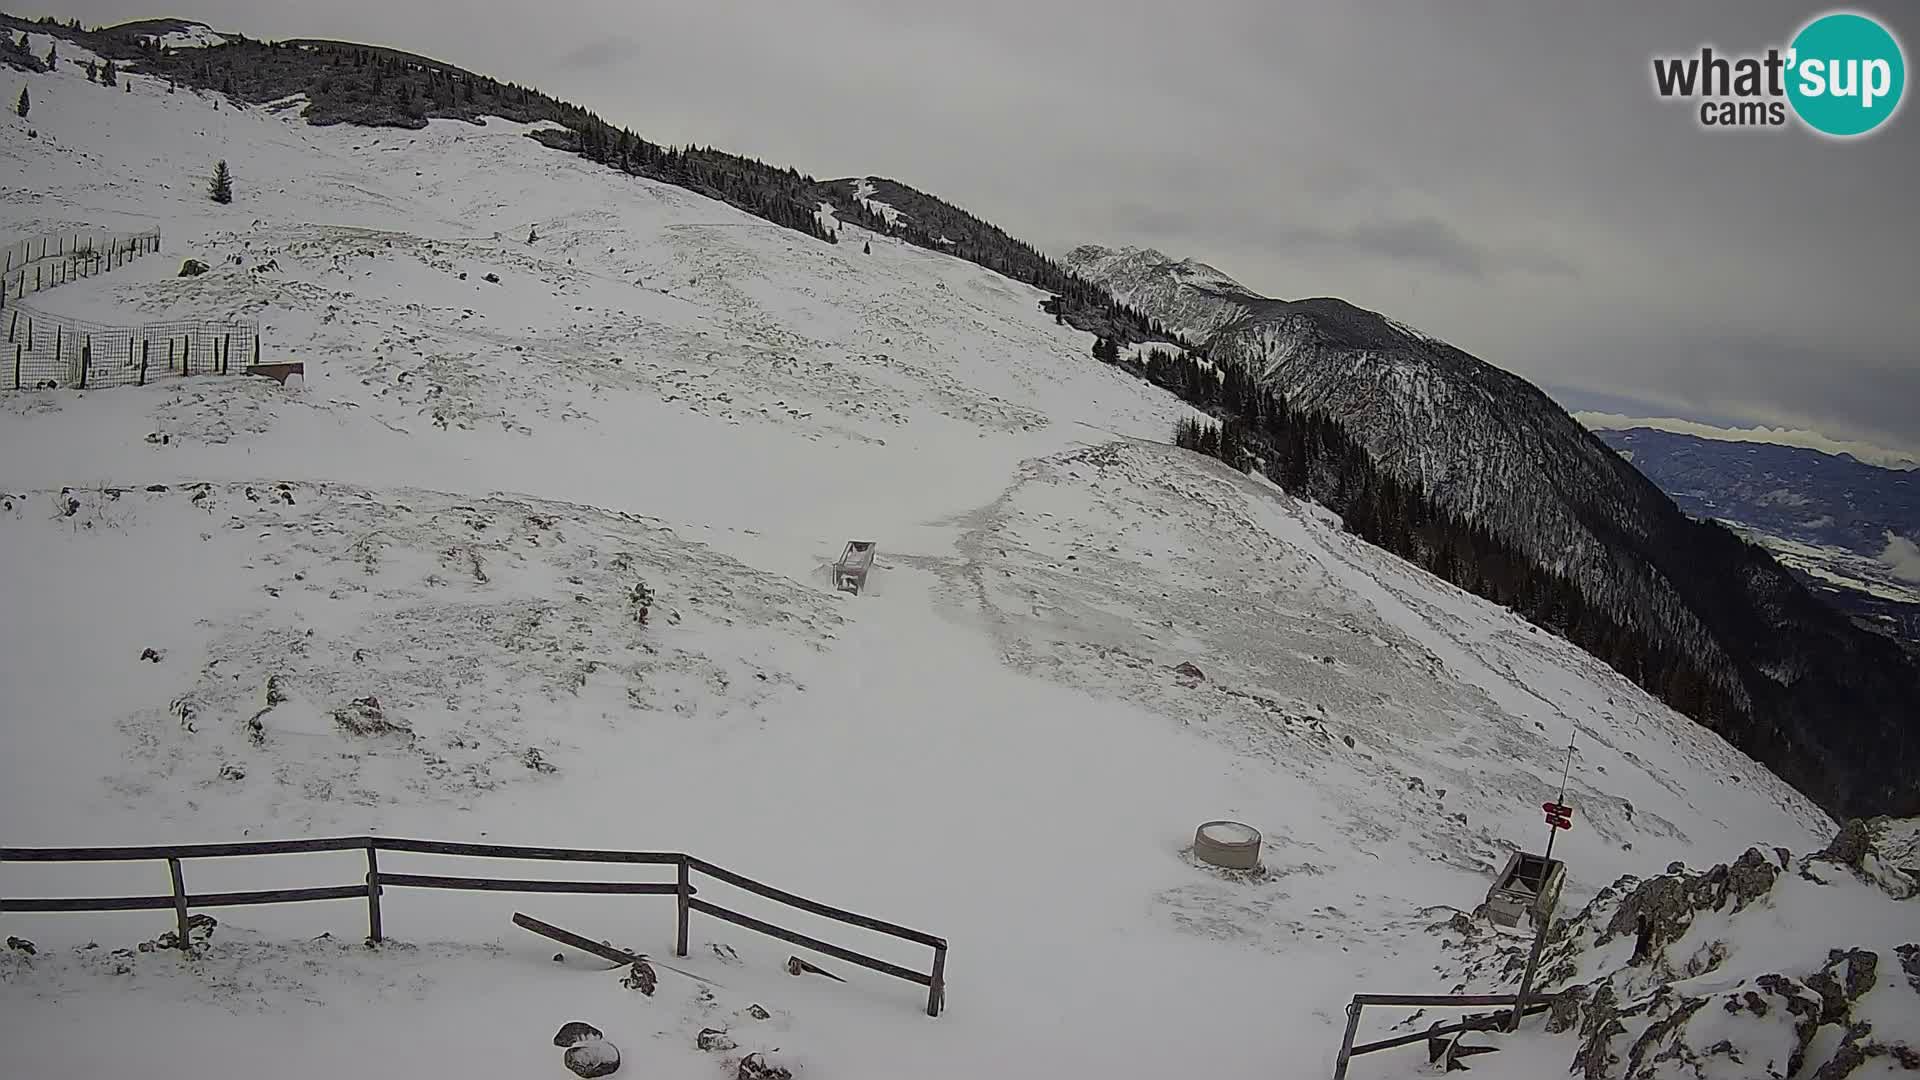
1846	74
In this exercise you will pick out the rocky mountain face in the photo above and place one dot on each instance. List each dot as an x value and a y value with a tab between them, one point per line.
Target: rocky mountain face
1792	682
1770	965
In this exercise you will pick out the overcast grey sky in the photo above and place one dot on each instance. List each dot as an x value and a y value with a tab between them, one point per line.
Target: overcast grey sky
1499	174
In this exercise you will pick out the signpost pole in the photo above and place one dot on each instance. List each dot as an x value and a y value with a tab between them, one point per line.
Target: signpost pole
1557	819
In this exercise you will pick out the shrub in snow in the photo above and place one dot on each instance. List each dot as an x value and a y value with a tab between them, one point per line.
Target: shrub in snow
193	268
594	1057
24	104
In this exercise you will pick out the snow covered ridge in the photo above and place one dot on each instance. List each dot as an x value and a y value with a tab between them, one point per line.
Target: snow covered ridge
1771	965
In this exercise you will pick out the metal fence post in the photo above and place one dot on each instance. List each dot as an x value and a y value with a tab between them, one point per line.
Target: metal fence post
179	901
373	893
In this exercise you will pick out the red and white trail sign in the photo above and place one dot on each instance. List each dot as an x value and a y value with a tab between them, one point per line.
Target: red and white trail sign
1559	815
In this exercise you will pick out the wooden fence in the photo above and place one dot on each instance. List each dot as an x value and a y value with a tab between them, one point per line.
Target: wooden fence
682	888
1348	1051
43	262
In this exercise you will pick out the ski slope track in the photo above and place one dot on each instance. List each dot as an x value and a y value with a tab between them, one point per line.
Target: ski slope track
992	743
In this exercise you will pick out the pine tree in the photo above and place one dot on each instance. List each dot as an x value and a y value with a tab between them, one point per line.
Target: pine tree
865	249
108	74
23	104
53	52
533	234
222	186
93	71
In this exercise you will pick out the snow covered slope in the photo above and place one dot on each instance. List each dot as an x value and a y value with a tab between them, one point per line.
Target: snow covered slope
1000	742
1787	678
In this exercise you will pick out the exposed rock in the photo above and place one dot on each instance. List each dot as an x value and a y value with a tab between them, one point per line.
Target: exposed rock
21	945
1565	1013
574	1031
193	268
594	1057
714	1040
151	656
1850	845
641	977
1190	673
755	1067
1910	963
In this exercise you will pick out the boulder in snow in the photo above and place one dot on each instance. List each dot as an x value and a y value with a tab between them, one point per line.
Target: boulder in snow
756	1067
575	1031
594	1057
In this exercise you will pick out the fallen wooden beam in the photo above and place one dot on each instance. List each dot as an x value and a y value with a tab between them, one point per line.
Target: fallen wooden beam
600	949
797	966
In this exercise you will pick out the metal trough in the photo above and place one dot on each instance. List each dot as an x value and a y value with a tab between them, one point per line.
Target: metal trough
1528	886
850	572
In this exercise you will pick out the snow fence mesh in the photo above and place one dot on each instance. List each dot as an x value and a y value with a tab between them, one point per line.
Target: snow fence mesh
56	352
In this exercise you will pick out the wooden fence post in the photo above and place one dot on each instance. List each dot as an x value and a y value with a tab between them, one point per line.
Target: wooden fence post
16	366
373	893
179	900
143	361
226	352
170	355
256	348
685	893
86	361
937	989
1346	1044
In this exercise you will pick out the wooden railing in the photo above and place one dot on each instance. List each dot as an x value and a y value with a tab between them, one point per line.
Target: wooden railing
1348	1051
682	888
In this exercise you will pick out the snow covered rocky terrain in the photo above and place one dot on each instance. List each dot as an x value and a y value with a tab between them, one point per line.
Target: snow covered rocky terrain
535	552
